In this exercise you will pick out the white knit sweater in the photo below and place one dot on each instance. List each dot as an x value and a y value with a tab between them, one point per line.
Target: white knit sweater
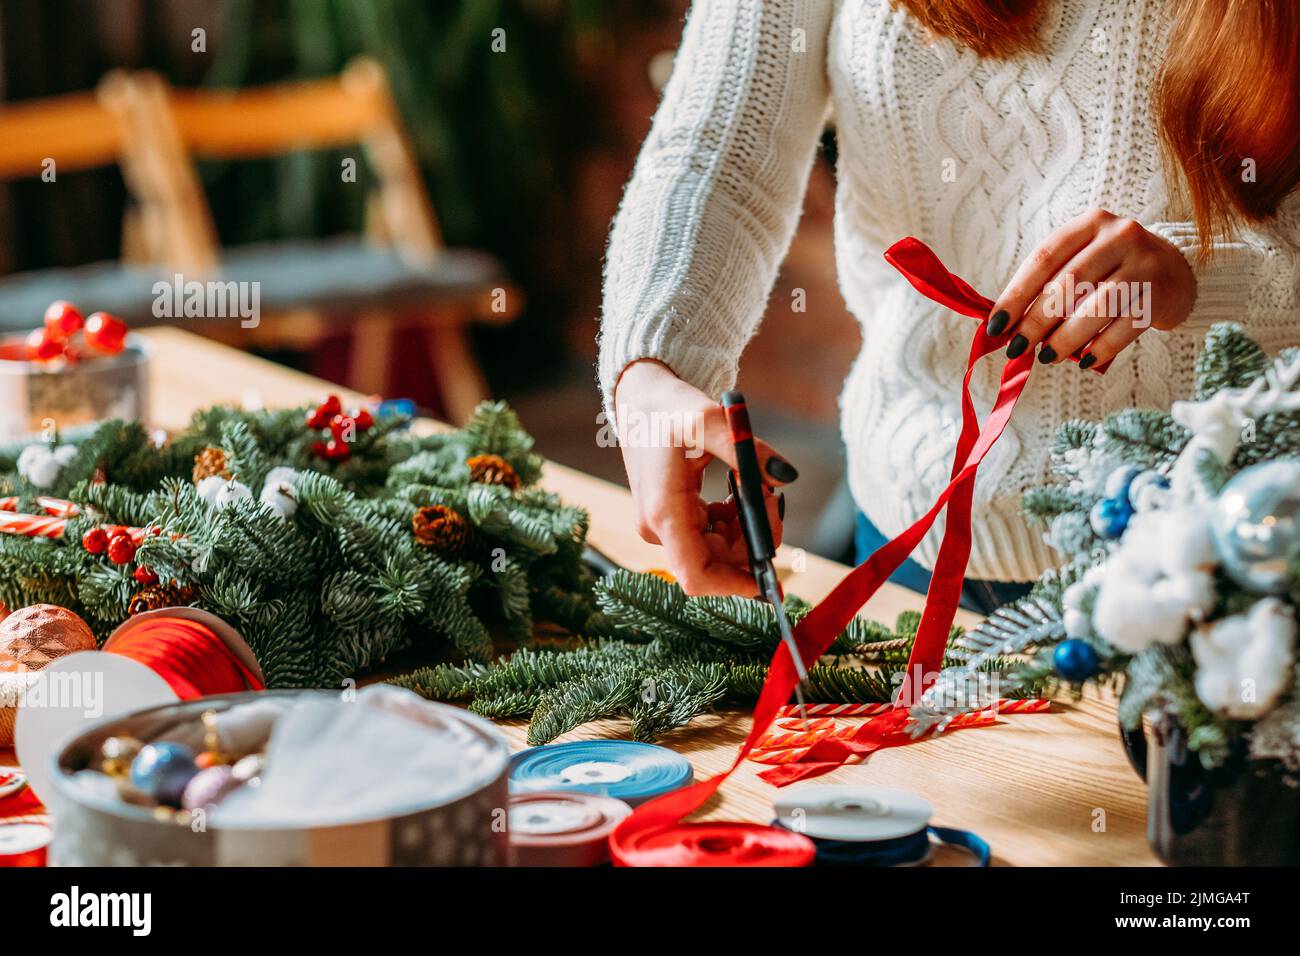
978	158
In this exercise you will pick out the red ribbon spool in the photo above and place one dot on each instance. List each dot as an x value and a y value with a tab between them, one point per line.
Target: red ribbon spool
188	655
646	838
713	844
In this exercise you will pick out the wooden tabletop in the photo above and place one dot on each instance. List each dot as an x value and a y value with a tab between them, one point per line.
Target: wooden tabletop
1043	789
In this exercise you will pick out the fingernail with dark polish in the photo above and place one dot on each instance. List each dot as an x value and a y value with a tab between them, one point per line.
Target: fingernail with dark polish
780	506
998	322
781	470
1017	346
1047	355
1088	361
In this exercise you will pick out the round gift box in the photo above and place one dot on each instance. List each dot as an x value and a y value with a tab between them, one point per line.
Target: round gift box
35	394
466	829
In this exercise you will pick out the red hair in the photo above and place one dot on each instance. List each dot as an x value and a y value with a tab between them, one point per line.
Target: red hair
1227	100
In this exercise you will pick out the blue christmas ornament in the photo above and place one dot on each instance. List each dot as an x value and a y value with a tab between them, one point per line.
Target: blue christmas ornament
162	770
1119	481
1109	517
1075	660
1256	525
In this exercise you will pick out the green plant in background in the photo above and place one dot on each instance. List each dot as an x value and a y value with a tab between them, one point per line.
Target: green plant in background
494	130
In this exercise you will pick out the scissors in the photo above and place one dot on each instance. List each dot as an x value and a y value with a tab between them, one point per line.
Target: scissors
746	484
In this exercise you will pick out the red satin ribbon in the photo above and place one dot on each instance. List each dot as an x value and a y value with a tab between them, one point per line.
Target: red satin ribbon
188	655
660	818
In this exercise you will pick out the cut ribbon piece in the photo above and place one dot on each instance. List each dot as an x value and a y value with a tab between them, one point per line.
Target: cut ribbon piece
818	629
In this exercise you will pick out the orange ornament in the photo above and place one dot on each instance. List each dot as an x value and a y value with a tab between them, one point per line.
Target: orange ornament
31	638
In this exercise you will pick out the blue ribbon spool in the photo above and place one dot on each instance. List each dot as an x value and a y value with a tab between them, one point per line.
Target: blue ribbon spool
869	826
626	770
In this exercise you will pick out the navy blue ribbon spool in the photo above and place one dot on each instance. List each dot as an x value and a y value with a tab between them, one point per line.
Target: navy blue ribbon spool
627	770
868	826
900	851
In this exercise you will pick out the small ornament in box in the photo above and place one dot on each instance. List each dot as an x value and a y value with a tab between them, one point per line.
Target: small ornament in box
72	371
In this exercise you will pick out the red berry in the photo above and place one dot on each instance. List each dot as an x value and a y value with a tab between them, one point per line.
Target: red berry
95	541
317	419
318	449
41	346
344	428
105	333
336	450
331	406
144	576
364	420
121	549
62	319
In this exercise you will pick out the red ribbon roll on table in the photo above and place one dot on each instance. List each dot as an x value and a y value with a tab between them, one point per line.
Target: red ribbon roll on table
563	827
711	844
188	655
654	834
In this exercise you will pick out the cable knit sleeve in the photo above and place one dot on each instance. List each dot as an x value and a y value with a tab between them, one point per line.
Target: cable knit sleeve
1252	278
717	190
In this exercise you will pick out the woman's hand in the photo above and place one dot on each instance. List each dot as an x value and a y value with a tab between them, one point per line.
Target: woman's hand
1096	284
669	431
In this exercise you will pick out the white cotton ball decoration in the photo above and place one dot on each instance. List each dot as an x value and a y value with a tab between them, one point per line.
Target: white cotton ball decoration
1244	662
280	497
41	465
1076	595
283	475
209	487
1188	544
44	473
231	492
1077	623
30	456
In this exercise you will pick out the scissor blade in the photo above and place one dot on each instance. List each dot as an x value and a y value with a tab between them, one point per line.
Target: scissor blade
772	591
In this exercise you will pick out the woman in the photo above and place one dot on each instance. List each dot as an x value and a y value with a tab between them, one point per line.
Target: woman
1121	172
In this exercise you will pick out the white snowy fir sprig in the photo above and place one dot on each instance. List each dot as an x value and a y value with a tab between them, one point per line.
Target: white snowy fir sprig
1180	534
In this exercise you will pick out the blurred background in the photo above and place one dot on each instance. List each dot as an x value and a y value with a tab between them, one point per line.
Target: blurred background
523	119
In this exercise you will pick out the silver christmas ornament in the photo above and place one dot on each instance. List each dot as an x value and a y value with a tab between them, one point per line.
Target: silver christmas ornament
1256	525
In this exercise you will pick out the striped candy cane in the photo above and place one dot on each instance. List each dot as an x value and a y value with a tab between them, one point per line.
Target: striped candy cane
1031	705
59	507
32	526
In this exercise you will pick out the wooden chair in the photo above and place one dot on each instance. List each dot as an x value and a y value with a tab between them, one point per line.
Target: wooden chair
62	135
398	270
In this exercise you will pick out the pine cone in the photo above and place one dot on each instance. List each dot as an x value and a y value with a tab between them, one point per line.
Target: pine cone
209	462
158	596
492	470
440	528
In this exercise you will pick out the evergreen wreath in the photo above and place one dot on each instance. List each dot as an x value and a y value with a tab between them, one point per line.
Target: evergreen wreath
322	573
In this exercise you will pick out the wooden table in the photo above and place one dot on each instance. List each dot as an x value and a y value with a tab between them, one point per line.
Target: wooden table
1043	789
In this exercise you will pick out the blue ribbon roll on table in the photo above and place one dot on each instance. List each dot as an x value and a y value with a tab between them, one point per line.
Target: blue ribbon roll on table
869	826
626	770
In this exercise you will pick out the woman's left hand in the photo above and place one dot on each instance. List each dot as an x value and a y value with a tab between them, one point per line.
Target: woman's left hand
1097	282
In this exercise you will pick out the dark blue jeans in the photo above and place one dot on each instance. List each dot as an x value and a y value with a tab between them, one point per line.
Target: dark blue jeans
983	597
